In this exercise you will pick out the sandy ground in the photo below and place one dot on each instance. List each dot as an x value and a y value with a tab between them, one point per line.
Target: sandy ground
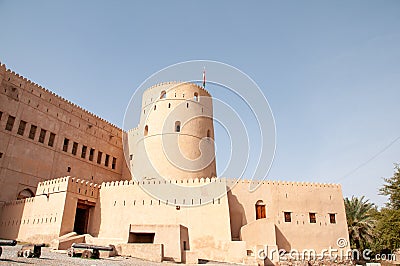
9	257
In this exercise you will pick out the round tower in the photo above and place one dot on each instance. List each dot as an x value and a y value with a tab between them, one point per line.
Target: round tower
175	134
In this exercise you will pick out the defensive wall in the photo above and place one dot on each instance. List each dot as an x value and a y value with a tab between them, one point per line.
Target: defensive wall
43	136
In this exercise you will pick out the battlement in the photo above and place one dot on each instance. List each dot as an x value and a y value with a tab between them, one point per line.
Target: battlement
24	83
177	83
284	183
229	182
70	184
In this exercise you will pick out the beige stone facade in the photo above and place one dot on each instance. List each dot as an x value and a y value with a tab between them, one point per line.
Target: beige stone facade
94	195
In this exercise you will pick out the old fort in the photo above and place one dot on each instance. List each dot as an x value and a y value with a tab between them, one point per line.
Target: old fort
66	178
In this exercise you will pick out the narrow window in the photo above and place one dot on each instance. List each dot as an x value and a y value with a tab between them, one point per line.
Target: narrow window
288	217
163	95
260	210
114	163
1	113
146	130
83	153
65	145
51	139
91	154
69	169
99	155
187	105
332	218
313	219
177	126
10	123
169	105
107	160
21	128
32	132
155	107
74	148
130	157
196	97
42	135
208	133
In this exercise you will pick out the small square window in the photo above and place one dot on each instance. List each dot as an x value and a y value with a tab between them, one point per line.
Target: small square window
21	128
51	139
32	132
99	155
107	160
74	148
65	145
91	154
83	154
332	218
42	135
288	217
313	218
10	123
114	163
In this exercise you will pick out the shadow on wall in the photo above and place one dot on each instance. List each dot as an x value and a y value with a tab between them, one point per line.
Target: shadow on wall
237	215
281	240
95	219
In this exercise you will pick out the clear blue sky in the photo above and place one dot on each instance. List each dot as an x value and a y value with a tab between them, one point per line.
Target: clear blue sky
330	69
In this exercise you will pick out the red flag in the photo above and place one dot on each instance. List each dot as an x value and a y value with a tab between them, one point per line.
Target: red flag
204	78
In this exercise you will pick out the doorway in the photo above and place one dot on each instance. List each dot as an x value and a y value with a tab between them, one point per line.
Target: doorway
81	218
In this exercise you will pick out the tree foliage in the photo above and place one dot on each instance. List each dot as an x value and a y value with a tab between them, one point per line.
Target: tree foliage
392	189
376	229
360	221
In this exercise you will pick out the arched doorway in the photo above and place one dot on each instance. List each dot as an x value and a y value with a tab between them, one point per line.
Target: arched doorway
260	210
26	193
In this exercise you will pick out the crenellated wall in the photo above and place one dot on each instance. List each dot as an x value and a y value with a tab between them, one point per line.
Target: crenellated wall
50	213
208	225
32	146
297	198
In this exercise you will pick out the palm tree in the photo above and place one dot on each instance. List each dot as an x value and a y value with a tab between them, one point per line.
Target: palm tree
360	221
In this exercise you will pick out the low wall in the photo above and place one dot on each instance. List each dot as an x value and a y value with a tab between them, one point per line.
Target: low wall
150	252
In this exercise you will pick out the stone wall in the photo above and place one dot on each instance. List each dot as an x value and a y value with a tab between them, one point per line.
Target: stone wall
299	199
35	124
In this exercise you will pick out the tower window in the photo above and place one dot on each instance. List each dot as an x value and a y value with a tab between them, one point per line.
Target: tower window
42	135
32	132
177	126
313	218
169	105
196	97
65	145
146	130
10	123
187	105
74	148
51	139
21	128
208	133
155	107
332	218
163	95
288	217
